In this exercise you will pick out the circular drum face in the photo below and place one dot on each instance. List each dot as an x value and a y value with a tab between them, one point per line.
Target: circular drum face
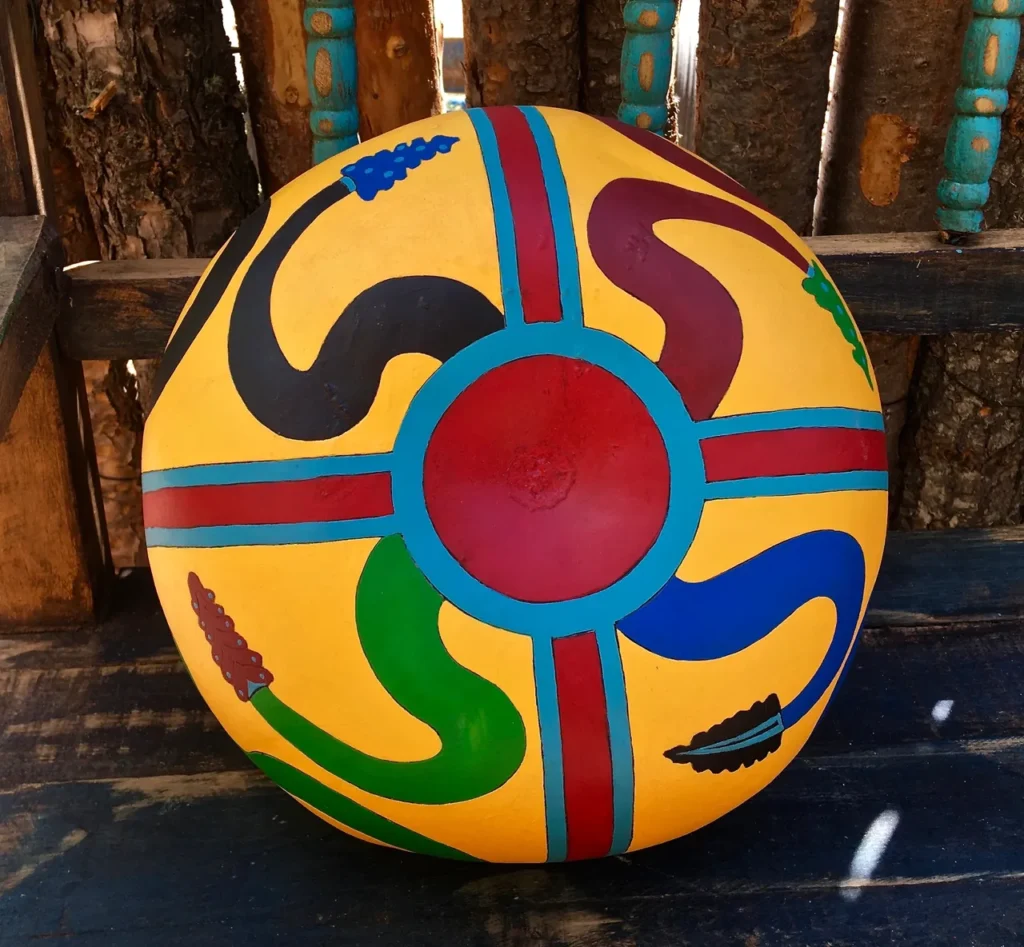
515	488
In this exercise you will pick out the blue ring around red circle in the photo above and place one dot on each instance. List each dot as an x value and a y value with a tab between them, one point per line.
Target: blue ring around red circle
686	480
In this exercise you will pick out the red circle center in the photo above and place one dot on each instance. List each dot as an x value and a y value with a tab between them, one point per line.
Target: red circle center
547	479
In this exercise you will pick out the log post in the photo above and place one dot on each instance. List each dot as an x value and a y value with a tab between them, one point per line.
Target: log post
604	32
398	64
894	102
522	52
762	90
152	138
271	42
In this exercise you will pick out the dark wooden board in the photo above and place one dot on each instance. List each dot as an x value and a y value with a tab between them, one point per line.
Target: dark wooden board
893	283
126	819
216	860
94	704
939	576
30	297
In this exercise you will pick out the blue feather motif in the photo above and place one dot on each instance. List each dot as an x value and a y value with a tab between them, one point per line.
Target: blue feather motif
375	173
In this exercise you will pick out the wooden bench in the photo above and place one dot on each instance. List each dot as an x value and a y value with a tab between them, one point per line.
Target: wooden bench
128	817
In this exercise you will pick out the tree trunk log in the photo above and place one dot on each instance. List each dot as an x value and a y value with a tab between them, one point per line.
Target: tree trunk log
144	117
398	56
762	89
152	113
965	457
522	52
898	70
273	50
603	33
116	442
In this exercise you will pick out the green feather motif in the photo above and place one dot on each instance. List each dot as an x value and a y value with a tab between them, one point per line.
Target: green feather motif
826	296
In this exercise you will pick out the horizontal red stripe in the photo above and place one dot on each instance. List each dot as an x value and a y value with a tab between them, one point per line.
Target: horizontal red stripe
807	450
345	497
531	218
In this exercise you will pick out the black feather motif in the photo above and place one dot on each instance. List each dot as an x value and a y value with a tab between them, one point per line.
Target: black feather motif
743	739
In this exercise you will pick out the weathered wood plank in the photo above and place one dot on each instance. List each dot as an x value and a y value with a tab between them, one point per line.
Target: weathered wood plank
30	296
188	860
169	855
115	699
936	576
893	282
121	821
53	549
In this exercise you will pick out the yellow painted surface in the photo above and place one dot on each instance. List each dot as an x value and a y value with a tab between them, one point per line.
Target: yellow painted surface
295	604
662	694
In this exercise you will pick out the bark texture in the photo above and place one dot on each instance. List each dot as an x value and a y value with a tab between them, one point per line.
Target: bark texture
151	111
898	72
398	55
603	33
965	445
273	50
762	89
522	52
146	130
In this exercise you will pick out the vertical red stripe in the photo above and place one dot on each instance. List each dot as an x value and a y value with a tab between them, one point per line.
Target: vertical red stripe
586	751
531	216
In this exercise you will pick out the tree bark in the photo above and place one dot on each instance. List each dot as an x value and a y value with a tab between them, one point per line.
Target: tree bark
145	123
965	457
603	33
398	56
522	52
898	71
151	111
762	89
273	50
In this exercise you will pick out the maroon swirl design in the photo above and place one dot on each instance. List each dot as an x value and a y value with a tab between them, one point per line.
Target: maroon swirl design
703	329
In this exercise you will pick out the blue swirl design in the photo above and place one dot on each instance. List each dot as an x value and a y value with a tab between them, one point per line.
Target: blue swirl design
704	621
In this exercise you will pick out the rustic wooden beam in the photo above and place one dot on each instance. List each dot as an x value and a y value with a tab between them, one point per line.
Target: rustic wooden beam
54	559
949	575
30	295
907	283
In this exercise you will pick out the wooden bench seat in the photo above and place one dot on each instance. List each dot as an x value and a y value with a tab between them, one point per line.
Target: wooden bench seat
128	817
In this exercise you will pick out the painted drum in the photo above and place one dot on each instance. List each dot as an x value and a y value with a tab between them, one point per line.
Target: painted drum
515	488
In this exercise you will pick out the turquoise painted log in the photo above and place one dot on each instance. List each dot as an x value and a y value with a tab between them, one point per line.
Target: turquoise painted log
990	52
331	67
646	69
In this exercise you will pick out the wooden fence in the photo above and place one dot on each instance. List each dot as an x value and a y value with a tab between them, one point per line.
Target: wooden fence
142	141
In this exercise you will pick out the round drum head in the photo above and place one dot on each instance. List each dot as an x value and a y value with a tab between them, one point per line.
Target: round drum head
515	488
